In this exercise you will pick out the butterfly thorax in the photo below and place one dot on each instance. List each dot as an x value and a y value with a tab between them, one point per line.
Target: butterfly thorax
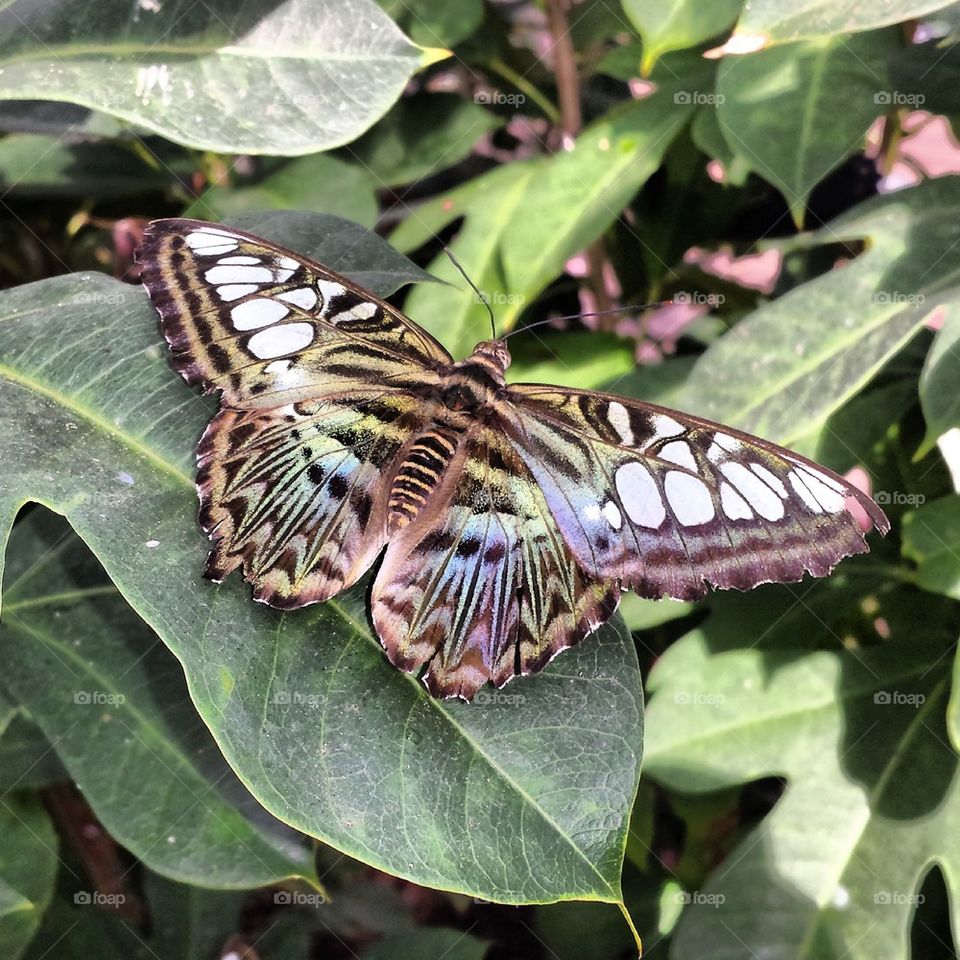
467	396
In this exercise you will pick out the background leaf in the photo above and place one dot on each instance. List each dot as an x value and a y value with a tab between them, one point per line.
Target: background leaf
298	78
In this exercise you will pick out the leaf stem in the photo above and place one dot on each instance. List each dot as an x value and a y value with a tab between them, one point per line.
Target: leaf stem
633	929
524	86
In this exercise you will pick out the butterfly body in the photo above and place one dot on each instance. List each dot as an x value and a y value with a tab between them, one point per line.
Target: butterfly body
509	516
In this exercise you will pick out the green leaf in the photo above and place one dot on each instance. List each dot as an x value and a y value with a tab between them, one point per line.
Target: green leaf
678	24
26	758
812	349
585	359
925	75
931	538
220	75
780	21
524	797
28	870
421	136
524	220
872	799
938	384
428	942
32	164
796	112
341	244
317	184
435	23
97	683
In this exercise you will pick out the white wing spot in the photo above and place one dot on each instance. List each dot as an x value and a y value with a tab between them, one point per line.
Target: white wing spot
726	442
679	452
364	310
754	490
592	512
689	499
734	506
233	261
233	291
639	494
800	488
770	478
288	263
258	312
831	500
619	418
276	341
210	242
238	275
822	477
329	289
664	426
277	366
302	297
612	514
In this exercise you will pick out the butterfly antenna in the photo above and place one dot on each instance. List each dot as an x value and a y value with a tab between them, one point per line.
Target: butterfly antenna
480	296
630	307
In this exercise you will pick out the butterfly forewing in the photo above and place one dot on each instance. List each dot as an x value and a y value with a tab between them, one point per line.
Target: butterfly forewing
667	503
267	326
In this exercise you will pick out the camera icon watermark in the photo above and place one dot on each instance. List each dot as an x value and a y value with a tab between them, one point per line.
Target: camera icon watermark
698	98
499	698
297	898
898	98
896	898
698	298
898	298
497	98
94	898
686	698
899	498
701	899
897	698
98	698
295	698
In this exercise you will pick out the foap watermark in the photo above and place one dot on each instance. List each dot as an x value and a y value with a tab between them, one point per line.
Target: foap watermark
498	299
898	297
701	899
295	698
98	299
297	898
899	498
698	298
888	898
686	698
98	698
499	698
897	698
898	98
698	98
94	898
497	98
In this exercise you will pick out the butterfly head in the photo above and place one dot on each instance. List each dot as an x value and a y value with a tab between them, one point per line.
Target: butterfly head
493	354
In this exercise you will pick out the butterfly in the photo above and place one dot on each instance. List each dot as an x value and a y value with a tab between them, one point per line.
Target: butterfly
509	516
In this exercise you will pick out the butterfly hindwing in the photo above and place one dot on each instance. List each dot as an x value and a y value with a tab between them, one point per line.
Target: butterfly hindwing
265	325
294	495
483	587
667	503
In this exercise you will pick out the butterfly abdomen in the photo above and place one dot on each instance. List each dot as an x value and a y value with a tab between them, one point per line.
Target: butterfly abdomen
419	474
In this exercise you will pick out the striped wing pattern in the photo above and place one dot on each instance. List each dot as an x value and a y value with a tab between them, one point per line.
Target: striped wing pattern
512	516
482	587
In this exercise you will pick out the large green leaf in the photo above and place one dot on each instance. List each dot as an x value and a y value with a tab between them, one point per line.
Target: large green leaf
778	21
26	757
931	538
99	685
811	350
872	799
318	183
796	112
28	869
524	220
281	78
522	796
666	25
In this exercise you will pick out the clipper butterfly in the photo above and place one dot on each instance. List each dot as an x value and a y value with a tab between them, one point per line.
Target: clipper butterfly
509	516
